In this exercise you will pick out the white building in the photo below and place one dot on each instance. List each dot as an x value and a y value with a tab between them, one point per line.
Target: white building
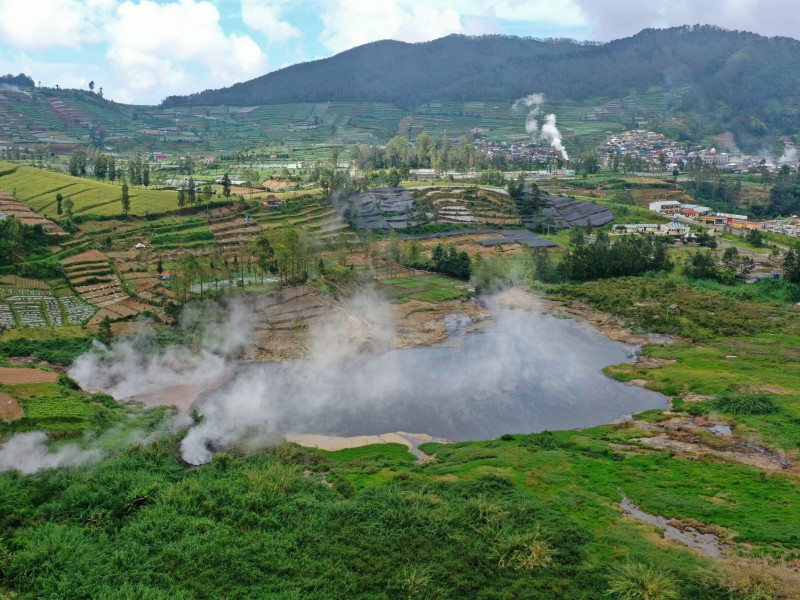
666	207
675	229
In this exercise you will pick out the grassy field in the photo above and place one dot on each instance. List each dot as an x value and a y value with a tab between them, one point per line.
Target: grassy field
423	287
37	188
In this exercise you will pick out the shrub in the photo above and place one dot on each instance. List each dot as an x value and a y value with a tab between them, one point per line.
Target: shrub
636	581
744	403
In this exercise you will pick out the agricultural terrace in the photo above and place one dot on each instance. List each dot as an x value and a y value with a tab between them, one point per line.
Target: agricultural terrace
33	303
10	207
37	189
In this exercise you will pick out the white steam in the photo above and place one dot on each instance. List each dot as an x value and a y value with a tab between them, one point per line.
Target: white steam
137	365
28	453
789	155
548	132
534	104
551	133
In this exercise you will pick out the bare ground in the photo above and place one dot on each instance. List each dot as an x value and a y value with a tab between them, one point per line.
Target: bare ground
10	410
12	376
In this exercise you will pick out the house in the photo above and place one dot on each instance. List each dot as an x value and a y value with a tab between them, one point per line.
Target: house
273	202
674	229
666	207
635	228
695	210
729	219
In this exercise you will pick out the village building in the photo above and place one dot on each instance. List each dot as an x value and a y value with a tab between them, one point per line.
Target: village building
695	210
724	220
635	228
666	207
675	229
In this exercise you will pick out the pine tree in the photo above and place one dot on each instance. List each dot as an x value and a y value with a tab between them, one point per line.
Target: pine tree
125	199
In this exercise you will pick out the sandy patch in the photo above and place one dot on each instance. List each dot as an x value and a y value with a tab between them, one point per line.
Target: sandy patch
11	376
10	410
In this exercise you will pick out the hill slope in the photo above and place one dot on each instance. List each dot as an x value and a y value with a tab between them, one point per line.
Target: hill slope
750	81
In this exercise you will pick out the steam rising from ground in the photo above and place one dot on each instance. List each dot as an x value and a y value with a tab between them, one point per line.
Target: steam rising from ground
28	453
548	132
138	365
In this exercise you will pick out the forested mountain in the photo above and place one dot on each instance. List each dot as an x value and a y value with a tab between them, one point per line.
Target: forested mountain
748	81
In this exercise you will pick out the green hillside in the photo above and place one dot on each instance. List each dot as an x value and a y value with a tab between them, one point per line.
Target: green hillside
38	188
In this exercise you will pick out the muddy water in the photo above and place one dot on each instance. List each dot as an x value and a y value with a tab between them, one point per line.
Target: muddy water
526	372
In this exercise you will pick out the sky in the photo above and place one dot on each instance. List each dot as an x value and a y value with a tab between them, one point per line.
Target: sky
140	51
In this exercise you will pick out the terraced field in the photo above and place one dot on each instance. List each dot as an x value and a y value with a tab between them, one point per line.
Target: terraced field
33	303
11	207
37	189
97	282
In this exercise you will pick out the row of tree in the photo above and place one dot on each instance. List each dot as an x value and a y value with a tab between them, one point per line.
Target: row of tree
628	255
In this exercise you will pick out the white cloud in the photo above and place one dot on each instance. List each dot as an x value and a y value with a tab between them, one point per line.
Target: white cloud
42	24
267	19
613	19
348	23
159	47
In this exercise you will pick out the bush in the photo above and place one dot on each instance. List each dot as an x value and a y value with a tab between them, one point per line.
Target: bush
543	441
635	581
745	403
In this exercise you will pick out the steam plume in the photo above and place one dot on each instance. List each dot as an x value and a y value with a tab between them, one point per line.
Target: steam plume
138	365
548	132
551	133
28	453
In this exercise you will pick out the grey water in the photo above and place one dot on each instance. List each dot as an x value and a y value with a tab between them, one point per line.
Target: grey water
524	373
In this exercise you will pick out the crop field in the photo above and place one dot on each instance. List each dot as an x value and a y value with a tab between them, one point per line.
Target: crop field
98	284
37	189
30	303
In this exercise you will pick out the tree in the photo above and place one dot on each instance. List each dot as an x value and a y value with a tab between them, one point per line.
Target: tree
159	266
91	86
730	259
77	163
755	238
791	265
226	186
181	197
265	254
125	199
701	265
104	332
207	193
68	206
191	192
145	174
112	168
59	200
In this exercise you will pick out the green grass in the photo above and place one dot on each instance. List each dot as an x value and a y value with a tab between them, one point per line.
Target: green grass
37	188
425	288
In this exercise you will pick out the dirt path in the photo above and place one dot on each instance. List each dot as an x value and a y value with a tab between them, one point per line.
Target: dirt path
11	376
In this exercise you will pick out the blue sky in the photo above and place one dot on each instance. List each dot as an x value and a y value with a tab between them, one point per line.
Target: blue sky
144	50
